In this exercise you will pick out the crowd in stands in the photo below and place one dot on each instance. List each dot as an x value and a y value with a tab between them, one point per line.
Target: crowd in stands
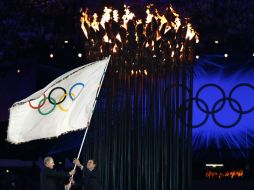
32	26
19	178
229	21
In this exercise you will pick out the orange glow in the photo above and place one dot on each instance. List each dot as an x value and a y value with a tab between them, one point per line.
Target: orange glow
226	174
153	36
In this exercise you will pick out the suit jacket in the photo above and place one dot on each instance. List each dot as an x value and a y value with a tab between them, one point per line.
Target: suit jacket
90	180
50	178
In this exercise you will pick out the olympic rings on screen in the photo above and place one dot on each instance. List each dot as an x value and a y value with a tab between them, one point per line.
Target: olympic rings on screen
231	94
238	119
54	102
219	104
223	98
207	114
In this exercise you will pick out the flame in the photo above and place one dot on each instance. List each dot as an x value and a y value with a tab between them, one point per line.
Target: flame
83	27
139	21
173	11
85	19
127	16
158	36
136	37
118	37
181	50
163	20
190	32
158	32
167	29
196	38
149	16
106	16
106	39
95	23
115	15
177	23
172	54
115	48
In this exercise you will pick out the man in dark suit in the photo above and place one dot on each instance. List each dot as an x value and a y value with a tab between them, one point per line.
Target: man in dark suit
50	178
90	174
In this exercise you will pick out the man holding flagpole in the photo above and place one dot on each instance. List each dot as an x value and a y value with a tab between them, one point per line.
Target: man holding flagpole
90	180
50	178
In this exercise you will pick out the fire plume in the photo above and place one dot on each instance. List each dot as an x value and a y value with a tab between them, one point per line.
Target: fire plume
161	35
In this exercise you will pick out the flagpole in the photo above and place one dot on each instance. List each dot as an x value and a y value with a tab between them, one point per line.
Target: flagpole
90	116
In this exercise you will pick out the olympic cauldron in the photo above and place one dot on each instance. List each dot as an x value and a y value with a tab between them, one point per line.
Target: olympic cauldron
137	44
146	82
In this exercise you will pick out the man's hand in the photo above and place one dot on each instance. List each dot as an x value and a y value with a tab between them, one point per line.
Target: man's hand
77	162
71	181
72	172
67	187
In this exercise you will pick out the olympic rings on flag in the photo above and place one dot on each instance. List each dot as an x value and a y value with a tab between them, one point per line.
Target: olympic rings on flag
44	100
62	98
70	91
37	107
50	93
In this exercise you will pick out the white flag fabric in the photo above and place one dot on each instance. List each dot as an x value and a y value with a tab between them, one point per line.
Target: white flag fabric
64	105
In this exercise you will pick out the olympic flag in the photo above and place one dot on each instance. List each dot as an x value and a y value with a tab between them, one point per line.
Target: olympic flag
64	105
